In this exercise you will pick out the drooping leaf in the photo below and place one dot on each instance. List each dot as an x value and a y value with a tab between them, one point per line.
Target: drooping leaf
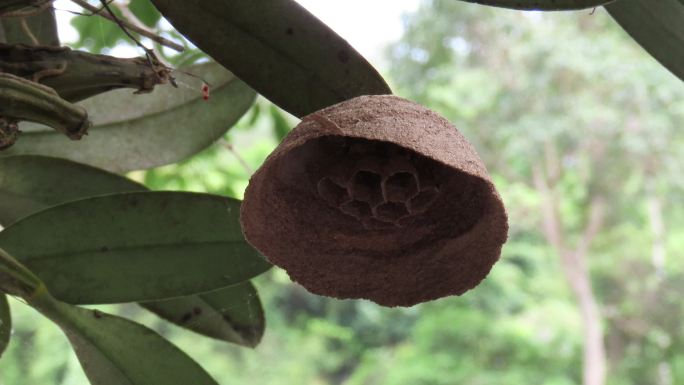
233	314
115	351
658	26
5	323
134	132
278	48
30	183
135	246
543	5
43	27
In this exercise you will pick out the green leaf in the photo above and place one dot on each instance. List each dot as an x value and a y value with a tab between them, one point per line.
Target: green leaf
278	48
281	127
5	323
543	5
135	246
97	33
145	12
43	27
134	132
658	26
233	314
31	183
115	351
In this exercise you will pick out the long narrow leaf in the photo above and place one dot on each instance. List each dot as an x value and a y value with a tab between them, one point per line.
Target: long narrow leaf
135	247
116	351
278	48
5	323
32	183
658	26
233	314
133	132
543	5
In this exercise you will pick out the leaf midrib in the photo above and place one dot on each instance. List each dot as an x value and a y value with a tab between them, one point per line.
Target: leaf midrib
120	249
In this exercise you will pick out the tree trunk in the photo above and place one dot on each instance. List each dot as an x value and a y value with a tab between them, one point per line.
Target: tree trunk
595	367
573	261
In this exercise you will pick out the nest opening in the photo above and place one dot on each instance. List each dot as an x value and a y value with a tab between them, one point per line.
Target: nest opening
377	194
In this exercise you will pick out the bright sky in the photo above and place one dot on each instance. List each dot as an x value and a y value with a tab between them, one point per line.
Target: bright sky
368	25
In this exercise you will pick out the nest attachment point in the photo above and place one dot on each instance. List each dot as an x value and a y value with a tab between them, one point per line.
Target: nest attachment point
377	198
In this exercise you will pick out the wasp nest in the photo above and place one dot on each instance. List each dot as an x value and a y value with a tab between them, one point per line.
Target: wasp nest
377	198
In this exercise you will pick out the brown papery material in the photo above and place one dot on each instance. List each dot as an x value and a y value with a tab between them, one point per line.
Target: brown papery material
377	198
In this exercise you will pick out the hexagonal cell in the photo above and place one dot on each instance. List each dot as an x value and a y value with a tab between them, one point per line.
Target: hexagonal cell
422	202
400	187
391	211
365	186
333	193
356	209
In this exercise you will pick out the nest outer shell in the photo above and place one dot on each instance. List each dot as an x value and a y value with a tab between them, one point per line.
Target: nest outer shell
448	266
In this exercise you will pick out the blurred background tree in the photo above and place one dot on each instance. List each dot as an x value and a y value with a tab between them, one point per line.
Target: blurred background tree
579	127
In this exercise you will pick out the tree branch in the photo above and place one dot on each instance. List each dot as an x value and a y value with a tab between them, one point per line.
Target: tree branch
593	226
551	224
156	38
229	146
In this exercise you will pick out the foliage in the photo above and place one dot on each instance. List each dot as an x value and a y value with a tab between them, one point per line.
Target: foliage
614	141
657	27
544	5
149	130
303	66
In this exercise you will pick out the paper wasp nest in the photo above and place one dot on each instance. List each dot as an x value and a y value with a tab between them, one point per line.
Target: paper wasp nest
377	198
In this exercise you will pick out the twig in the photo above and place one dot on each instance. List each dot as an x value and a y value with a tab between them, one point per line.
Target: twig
135	22
125	26
151	56
240	159
91	13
